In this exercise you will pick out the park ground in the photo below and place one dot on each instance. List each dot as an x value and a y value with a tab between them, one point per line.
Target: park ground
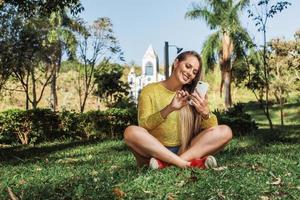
262	165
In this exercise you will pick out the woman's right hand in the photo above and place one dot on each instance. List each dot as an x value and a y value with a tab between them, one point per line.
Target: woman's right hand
180	99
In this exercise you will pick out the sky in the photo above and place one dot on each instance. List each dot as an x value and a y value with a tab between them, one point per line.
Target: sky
139	23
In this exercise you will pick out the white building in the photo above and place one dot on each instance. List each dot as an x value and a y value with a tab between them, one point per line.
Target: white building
150	73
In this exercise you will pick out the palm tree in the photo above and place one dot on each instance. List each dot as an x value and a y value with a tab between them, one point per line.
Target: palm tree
222	16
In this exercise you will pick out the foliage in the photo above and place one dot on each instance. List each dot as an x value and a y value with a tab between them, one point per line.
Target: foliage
224	45
26	52
98	45
37	125
27	127
260	18
237	119
44	7
70	124
109	86
284	64
61	38
9	25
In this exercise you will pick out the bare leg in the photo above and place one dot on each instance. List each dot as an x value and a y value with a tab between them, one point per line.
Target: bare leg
145	146
208	142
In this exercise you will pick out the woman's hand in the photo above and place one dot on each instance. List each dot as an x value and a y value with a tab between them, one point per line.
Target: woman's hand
180	99
200	103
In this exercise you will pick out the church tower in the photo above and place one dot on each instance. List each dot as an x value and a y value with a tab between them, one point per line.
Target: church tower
150	67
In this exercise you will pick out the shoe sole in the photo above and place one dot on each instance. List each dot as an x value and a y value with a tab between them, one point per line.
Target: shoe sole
210	162
153	164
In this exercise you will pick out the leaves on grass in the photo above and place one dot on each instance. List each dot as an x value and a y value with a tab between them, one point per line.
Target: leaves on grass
277	181
38	169
22	182
181	183
170	197
220	168
67	160
221	195
264	198
94	173
118	193
12	195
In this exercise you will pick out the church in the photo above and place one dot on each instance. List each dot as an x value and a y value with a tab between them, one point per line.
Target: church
150	73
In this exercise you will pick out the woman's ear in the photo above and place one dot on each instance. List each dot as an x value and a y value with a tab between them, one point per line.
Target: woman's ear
176	63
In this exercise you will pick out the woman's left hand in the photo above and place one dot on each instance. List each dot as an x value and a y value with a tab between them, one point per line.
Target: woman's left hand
200	103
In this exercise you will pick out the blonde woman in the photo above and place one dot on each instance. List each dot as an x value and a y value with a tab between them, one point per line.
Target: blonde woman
175	123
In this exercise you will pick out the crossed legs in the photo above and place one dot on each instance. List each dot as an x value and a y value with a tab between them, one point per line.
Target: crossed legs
144	145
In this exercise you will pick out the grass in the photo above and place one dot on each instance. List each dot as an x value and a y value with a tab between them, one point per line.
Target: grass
265	165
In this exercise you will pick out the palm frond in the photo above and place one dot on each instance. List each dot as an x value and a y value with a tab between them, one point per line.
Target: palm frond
209	51
203	12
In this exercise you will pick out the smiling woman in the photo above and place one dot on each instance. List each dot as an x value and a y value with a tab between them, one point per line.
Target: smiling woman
171	131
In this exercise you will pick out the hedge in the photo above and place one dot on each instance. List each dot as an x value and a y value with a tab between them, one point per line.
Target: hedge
38	125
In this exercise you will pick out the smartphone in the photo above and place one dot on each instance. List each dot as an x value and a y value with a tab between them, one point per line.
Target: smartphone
202	88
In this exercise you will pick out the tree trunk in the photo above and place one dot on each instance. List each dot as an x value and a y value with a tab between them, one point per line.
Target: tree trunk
266	73
53	95
281	107
227	88
34	98
56	65
225	65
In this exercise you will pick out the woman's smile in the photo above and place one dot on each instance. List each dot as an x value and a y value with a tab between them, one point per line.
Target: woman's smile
185	77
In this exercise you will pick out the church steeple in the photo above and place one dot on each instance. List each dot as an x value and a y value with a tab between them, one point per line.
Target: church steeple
150	66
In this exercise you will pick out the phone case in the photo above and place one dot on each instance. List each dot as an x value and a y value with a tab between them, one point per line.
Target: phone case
202	88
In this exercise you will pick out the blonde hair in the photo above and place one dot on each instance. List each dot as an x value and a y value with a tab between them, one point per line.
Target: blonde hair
189	119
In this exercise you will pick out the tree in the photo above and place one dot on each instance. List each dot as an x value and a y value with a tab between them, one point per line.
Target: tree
9	29
284	63
30	8
109	86
222	16
260	17
104	44
23	51
31	59
61	38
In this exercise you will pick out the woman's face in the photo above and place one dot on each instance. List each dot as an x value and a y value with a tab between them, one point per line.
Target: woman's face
186	70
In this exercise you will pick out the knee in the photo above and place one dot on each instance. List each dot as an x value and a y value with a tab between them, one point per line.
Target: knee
130	133
226	132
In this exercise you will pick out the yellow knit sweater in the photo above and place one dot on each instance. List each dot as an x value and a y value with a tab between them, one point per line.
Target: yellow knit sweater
153	98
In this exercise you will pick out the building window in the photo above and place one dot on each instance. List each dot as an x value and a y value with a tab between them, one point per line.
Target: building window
149	69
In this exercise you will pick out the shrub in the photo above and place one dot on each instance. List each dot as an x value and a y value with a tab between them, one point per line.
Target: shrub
29	126
14	126
110	123
34	126
237	119
70	124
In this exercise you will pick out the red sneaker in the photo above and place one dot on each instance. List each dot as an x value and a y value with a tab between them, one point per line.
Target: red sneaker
204	163
155	163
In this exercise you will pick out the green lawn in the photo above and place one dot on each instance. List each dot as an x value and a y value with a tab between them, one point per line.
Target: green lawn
265	165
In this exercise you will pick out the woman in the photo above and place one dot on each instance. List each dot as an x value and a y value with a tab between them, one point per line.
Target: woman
175	123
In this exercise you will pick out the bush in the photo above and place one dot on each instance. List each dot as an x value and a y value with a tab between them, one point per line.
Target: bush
108	124
35	126
237	119
70	124
29	126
